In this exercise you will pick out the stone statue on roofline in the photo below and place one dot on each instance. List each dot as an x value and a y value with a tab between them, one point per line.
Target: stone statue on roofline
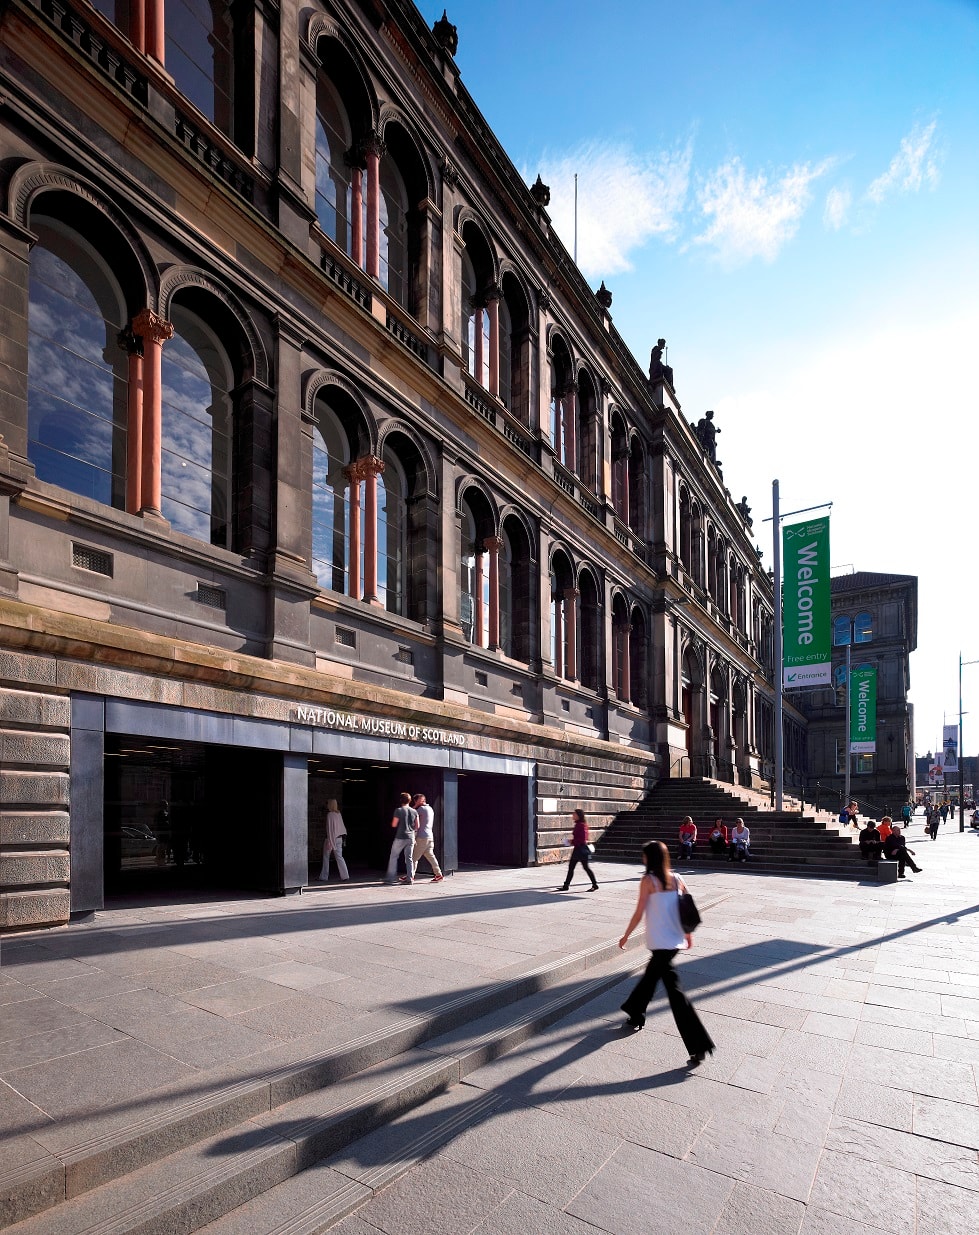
744	510
707	433
658	370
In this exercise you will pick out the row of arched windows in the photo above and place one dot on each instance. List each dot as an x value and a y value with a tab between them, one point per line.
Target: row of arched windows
711	563
371	529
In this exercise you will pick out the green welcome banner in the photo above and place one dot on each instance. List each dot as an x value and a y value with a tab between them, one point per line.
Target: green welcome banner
807	627
863	711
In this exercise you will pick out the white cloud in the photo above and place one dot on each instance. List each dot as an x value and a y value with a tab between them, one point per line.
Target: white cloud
624	199
753	216
837	208
914	165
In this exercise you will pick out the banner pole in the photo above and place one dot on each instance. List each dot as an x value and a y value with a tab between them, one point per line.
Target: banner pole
846	743
779	670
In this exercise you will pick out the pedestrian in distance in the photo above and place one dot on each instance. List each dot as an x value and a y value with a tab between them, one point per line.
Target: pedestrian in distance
405	823
907	813
425	837
943	811
931	825
659	905
333	842
581	851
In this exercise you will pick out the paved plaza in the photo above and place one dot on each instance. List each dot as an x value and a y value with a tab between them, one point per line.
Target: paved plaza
842	1098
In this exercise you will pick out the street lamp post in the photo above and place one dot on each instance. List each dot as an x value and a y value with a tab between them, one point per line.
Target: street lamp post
961	774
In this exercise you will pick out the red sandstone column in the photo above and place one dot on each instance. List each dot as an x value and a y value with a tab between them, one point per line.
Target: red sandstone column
373	149
480	606
371	468
154	331
479	359
571	428
493	309
571	634
154	34
493	545
137	25
353	475
134	420
357	215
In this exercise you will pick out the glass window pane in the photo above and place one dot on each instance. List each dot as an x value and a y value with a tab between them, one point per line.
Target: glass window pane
330	506
841	631
863	628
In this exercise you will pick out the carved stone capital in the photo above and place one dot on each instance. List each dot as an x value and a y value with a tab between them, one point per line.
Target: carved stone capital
373	143
363	468
150	326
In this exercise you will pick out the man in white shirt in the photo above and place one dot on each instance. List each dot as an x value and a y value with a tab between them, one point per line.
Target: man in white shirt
425	837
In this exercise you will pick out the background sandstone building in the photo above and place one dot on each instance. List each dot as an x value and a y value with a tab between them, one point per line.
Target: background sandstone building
323	471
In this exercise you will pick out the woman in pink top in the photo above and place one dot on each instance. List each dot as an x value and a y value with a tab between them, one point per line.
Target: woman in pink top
581	851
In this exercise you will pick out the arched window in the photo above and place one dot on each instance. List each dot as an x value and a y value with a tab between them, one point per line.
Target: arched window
588	467
637	487
475	326
506	355
621	675
590	640
473	581
863	628
331	517
77	388
333	141
637	658
196	430
392	534
200	56
515	350
393	268
563	617
620	468
562	431
841	631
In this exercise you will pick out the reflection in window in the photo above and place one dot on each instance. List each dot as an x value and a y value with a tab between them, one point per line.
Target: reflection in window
392	534
117	11
200	56
333	140
473	579
506	355
393	236
506	594
841	631
76	370
863	628
196	431
331	555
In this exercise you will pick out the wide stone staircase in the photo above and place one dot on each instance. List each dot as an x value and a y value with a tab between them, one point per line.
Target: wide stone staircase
293	1144
786	842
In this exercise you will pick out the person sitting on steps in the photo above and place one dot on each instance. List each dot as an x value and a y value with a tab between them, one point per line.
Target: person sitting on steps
688	838
896	849
718	838
739	848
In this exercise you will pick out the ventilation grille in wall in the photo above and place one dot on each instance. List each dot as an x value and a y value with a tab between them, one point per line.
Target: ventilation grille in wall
96	560
481	679
347	638
213	597
405	656
566	704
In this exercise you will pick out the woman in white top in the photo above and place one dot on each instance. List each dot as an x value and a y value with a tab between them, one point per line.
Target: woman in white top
659	894
333	841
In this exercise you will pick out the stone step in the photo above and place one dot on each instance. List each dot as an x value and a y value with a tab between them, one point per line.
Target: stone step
198	1185
111	1145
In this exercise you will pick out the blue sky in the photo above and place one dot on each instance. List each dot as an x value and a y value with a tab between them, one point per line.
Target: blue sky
789	194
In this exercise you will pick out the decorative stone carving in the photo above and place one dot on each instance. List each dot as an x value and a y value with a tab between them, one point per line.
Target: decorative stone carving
543	299
541	193
659	371
149	325
446	35
604	296
450	173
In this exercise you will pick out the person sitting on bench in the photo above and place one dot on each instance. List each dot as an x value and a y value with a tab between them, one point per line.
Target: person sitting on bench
738	850
718	838
688	838
871	846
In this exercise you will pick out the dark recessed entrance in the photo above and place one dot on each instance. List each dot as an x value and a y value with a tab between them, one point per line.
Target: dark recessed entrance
183	815
492	819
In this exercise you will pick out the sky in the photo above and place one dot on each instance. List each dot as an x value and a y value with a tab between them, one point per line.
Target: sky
788	193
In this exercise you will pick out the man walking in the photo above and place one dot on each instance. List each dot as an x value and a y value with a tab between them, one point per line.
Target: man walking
405	821
425	837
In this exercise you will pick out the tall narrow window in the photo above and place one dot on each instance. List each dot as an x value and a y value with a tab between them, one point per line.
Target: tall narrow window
200	56
331	546
77	385
196	431
506	595
863	628
332	173
393	257
474	584
469	315
841	631
392	534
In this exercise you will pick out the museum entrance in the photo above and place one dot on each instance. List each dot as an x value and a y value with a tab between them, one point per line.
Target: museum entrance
492	819
181	815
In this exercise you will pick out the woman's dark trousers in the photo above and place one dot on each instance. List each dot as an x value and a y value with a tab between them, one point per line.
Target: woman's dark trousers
695	1037
580	854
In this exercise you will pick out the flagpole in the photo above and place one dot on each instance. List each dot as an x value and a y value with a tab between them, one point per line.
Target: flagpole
779	671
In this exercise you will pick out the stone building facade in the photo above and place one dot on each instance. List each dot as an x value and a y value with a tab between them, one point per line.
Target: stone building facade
324	473
876	616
